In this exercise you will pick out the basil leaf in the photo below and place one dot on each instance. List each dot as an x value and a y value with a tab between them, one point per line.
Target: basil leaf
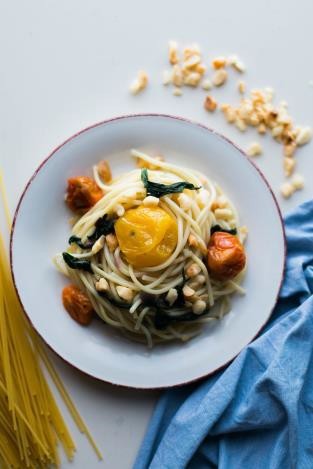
159	190
216	228
103	226
76	240
75	263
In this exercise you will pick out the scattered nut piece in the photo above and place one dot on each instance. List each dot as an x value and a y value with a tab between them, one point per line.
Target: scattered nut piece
287	189
171	296
151	201
111	241
236	63
199	307
262	129
192	241
290	149
254	149
177	76
125	293
200	279
289	165
224	213
210	104
167	77
243	232
98	245
193	270
297	182
140	83
304	136
207	85
218	62
188	292
104	171
241	87
102	285
177	92
192	79
173	53
240	124
219	77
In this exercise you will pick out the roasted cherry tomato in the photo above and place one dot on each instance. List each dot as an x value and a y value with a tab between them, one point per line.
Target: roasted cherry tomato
77	304
82	193
226	256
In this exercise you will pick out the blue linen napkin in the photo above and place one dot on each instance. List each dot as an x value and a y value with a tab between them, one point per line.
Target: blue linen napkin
257	413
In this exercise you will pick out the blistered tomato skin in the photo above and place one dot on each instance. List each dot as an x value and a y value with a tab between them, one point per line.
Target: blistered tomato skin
147	236
82	193
77	304
226	256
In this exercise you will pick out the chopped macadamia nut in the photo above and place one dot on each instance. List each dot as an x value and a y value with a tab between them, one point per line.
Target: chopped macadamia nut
188	292
218	62
240	124
236	63
254	149
262	129
193	270
289	165
200	279
111	241
241	87
219	77
177	76
151	201
104	171
192	79
290	149
173	52
199	307
287	189
167	77
125	293
192	241
171	296
210	104
224	213
177	92
203	197
304	136
98	245
207	85
102	285
243	230
140	83
297	182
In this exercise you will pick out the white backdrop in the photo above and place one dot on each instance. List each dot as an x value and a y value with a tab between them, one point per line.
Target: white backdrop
67	64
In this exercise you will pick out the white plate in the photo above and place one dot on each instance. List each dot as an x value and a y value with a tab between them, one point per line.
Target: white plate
41	229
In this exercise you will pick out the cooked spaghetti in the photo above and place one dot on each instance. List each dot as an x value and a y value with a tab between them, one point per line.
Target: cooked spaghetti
157	256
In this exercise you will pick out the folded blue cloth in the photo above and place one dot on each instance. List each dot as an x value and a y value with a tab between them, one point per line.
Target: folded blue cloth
258	412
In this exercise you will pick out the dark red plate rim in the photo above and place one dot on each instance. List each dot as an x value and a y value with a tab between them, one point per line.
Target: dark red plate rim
108	121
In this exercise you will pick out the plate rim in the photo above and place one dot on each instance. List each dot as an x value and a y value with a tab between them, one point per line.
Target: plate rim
105	122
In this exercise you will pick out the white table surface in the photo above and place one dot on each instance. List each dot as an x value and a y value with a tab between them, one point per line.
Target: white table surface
68	64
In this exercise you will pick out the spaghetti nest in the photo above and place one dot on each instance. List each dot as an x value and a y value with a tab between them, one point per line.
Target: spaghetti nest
140	253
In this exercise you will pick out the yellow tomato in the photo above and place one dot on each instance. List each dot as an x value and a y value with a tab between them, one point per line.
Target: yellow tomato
147	236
